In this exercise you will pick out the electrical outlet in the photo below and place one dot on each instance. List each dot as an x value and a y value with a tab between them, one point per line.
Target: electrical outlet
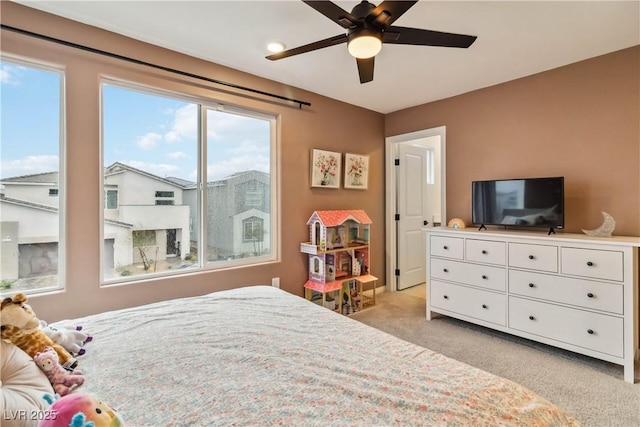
275	282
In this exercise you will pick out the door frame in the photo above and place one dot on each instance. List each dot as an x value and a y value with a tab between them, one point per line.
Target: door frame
391	197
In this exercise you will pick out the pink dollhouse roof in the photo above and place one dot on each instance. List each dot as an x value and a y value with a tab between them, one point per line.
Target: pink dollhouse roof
334	218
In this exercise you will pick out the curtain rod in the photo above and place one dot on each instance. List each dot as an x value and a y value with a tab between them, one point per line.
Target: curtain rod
148	64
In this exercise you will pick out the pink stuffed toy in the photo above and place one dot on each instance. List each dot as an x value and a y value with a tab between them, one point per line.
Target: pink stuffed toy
63	381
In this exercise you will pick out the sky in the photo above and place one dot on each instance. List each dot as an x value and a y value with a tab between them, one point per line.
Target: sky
151	132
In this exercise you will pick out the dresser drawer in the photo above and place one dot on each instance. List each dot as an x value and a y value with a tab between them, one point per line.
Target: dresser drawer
534	257
476	303
484	276
598	332
567	290
593	263
486	251
448	247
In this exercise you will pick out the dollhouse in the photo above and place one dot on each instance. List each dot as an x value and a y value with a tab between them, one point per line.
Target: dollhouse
338	251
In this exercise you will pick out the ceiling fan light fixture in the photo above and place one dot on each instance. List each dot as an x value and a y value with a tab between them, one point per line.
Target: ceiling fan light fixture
364	44
276	47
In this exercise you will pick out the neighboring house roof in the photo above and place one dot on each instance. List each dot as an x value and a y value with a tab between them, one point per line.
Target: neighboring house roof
118	167
181	182
24	203
335	218
120	223
38	206
38	178
237	176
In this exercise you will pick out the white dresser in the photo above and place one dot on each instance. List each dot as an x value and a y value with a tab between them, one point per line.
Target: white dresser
571	291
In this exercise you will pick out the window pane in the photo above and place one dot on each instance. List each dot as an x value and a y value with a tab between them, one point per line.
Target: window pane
151	160
30	184
112	199
238	208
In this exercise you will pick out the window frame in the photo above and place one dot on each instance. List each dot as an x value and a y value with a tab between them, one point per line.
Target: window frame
23	61
203	104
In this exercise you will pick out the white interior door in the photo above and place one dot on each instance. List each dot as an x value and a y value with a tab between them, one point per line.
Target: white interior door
414	213
404	252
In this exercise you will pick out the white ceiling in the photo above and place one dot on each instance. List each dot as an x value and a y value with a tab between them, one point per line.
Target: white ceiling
515	39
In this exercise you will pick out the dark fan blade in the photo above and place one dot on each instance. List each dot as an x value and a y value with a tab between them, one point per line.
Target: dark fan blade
388	11
416	36
334	12
365	69
309	47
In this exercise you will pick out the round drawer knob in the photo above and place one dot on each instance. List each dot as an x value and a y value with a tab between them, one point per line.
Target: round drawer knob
445	270
446	297
484	252
531	285
532	318
484	277
590	295
445	247
531	257
590	264
484	306
590	331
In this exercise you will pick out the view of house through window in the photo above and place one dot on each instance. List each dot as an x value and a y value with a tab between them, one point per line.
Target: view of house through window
238	209
158	187
30	183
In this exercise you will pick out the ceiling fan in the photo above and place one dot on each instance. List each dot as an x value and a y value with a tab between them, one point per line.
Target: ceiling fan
368	27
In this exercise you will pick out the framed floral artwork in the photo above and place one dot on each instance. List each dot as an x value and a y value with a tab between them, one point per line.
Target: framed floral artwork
356	171
325	169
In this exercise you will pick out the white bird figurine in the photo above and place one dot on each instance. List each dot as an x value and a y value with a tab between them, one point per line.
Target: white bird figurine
605	229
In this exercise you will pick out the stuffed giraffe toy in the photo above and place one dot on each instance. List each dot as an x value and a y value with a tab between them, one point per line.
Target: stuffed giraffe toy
20	326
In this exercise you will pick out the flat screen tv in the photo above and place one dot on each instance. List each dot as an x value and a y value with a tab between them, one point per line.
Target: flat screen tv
525	202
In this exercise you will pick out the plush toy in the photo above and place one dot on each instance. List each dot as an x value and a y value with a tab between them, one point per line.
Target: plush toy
80	410
20	326
73	340
63	381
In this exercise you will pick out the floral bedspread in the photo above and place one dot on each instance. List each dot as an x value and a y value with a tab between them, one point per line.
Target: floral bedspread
259	356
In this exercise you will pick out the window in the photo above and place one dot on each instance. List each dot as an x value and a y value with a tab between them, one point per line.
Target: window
239	158
111	200
31	213
253	195
164	193
253	231
199	175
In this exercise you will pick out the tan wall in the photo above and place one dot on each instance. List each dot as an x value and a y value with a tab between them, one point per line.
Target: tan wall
581	121
327	124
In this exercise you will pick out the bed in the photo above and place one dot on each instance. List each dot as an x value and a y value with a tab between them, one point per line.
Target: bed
260	356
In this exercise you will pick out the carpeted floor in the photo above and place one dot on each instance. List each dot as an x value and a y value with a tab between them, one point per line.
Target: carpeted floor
590	390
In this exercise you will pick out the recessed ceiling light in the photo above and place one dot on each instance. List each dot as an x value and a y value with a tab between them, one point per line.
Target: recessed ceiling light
276	47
